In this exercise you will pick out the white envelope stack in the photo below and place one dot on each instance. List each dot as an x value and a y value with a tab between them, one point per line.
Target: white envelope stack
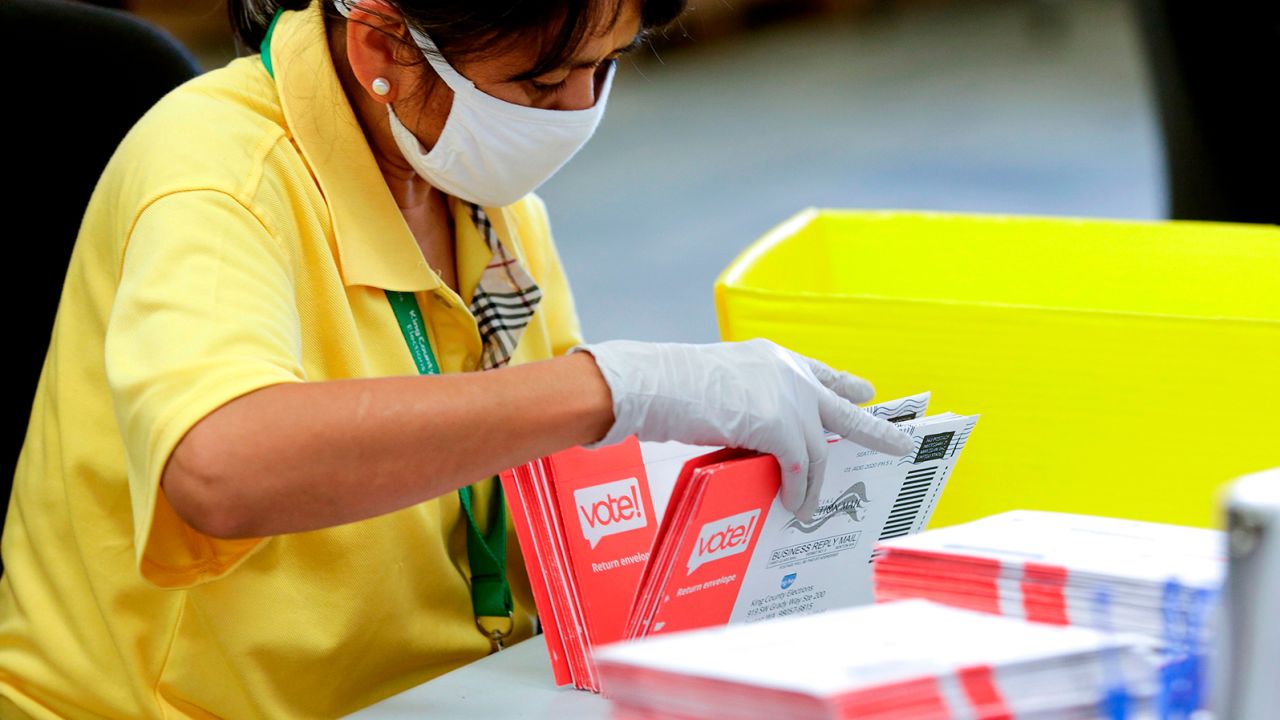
1063	569
1160	581
910	660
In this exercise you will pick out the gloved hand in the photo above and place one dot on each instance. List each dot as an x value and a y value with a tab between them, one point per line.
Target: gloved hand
755	395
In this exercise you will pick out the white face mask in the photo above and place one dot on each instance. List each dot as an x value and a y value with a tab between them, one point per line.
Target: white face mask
492	152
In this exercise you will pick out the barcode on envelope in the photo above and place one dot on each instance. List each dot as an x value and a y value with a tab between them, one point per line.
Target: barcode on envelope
911	498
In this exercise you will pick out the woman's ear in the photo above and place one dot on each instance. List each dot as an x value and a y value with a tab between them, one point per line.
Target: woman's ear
374	31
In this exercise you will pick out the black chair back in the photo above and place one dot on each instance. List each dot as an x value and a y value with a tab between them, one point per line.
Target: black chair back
80	77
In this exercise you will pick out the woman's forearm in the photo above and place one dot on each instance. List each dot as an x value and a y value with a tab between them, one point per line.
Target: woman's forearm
295	457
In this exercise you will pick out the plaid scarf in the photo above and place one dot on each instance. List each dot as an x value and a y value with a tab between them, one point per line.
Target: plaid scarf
505	299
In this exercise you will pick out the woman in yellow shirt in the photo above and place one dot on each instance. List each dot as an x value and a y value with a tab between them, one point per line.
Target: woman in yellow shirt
249	487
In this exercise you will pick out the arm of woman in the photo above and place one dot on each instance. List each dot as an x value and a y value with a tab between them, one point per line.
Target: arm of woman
303	456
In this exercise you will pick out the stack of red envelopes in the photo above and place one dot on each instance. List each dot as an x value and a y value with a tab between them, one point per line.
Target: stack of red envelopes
585	520
641	538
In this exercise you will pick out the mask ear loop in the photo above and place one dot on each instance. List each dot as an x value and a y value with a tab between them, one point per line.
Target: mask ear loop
425	44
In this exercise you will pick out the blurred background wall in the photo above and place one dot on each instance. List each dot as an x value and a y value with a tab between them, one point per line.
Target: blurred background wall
750	111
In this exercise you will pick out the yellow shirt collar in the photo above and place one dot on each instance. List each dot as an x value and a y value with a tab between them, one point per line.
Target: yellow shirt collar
375	245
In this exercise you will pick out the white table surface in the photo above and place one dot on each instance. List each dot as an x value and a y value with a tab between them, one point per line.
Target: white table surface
514	683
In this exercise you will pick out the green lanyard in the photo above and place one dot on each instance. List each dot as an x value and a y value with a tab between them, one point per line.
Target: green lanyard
490	594
486	553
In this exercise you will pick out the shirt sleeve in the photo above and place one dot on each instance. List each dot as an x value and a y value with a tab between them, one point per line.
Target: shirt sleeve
204	313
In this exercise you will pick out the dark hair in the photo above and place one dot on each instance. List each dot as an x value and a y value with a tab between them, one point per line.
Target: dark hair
469	28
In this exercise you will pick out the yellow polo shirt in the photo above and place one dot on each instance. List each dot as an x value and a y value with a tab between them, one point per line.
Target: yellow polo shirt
241	236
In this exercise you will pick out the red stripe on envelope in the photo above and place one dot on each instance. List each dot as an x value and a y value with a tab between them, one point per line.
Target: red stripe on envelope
979	685
1042	596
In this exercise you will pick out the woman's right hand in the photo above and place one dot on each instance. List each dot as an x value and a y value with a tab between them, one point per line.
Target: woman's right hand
755	395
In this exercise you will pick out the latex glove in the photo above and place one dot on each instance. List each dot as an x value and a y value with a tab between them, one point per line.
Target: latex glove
755	395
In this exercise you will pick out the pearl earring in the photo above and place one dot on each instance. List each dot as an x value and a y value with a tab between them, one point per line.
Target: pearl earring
381	86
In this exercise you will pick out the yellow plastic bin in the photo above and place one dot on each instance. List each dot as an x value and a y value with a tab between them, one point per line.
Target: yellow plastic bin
1121	368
